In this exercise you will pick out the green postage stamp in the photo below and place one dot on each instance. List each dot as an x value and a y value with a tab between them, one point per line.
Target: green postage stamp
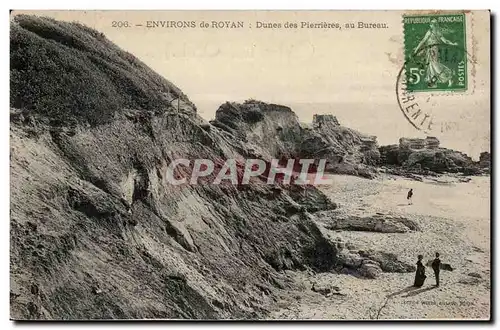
435	52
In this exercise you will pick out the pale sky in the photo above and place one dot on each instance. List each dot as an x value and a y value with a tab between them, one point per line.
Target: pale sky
348	73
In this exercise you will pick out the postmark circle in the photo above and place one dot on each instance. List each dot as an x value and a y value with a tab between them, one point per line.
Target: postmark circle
430	84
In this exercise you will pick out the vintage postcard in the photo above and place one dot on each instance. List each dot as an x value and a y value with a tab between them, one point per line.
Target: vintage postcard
250	165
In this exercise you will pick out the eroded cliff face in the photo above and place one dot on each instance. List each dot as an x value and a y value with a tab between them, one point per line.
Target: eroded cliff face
97	232
357	151
274	131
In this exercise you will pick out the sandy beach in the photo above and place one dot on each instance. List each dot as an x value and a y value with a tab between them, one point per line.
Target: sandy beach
454	218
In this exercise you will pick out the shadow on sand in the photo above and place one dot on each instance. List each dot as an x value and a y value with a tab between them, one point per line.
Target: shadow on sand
407	289
419	291
411	291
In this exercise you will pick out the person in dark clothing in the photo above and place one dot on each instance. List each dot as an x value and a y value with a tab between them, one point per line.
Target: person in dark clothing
420	274
436	264
410	194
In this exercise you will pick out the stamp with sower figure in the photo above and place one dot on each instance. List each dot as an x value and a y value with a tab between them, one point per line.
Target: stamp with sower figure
435	52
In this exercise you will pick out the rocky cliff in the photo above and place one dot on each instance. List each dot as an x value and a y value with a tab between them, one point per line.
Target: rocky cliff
357	151
274	131
96	230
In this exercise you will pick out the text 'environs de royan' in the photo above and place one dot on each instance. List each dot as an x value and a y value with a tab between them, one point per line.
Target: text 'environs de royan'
212	24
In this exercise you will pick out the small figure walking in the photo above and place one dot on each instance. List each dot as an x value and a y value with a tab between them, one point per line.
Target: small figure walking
420	274
435	266
408	197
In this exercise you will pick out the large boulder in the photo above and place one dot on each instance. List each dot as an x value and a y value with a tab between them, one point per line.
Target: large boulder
370	264
382	223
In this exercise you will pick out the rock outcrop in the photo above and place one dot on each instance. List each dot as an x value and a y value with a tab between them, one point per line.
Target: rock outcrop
429	142
319	120
274	131
424	156
411	143
97	232
370	263
382	223
485	161
356	150
326	290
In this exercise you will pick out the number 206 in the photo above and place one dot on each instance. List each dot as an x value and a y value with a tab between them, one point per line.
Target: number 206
119	24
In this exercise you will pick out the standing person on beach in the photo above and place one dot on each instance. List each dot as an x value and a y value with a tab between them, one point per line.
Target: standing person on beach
420	274
409	196
435	266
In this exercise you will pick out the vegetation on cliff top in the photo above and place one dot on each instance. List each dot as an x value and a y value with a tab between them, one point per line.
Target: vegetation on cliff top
69	72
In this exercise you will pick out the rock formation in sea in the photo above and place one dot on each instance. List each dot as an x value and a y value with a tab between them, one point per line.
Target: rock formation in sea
425	156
